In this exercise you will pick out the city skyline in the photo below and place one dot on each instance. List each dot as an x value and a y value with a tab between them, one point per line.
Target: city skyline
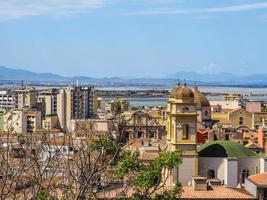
141	38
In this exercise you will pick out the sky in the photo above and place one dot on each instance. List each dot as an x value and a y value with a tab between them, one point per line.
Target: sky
134	38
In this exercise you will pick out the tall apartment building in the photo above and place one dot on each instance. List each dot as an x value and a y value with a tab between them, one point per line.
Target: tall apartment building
27	98
75	103
49	97
8	100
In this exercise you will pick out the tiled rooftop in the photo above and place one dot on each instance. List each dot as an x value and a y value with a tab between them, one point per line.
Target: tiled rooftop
259	179
216	192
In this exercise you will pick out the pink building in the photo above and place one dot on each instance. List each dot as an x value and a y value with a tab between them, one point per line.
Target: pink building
253	106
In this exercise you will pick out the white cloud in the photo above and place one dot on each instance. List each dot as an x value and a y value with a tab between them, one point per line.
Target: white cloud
225	9
11	9
211	68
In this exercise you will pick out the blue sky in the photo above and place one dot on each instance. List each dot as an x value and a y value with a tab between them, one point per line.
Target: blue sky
134	38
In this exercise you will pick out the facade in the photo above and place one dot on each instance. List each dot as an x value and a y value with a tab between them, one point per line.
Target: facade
8	100
240	117
181	133
34	121
75	103
27	98
257	185
226	104
1	121
232	97
143	125
227	161
90	127
50	122
258	118
15	122
50	99
253	106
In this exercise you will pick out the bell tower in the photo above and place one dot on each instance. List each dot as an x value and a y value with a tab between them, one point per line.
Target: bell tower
181	132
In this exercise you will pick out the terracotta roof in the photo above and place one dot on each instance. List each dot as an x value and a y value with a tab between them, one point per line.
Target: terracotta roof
259	179
216	192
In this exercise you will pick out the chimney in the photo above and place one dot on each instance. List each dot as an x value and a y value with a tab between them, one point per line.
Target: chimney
199	183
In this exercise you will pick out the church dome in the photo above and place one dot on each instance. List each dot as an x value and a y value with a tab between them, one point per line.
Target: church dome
224	149
181	92
200	99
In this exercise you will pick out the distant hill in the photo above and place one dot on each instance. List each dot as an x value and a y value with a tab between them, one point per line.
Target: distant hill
9	75
219	77
19	74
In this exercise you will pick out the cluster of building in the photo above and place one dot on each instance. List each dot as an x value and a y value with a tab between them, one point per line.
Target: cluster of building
28	110
224	142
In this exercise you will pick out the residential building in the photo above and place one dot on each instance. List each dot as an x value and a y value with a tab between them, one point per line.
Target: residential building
8	100
232	97
27	98
50	99
15	121
226	104
253	106
50	122
75	103
34	120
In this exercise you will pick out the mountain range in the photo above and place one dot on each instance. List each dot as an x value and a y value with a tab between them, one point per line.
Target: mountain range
14	75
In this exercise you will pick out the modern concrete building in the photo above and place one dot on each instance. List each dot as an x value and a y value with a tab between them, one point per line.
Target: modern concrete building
8	100
27	98
50	99
34	120
75	103
15	121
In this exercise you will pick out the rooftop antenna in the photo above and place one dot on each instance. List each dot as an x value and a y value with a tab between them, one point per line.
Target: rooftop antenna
184	83
22	85
77	83
178	83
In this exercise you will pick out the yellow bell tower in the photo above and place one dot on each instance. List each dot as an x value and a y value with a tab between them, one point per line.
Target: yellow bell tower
181	132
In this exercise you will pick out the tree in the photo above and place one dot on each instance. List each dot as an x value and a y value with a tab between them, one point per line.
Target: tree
148	181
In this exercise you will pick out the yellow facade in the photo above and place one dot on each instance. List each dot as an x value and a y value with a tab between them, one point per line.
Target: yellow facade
181	132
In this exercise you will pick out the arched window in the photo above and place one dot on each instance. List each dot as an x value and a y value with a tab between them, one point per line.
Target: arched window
210	174
206	113
185	132
241	120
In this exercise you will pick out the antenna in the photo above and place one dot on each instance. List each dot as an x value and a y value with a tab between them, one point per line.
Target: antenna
22	85
77	83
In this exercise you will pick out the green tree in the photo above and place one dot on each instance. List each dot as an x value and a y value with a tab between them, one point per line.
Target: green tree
149	181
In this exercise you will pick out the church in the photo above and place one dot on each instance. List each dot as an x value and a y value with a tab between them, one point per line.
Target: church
227	162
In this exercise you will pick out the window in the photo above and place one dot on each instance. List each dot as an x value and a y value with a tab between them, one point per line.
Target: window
185	109
206	113
210	174
185	132
241	120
